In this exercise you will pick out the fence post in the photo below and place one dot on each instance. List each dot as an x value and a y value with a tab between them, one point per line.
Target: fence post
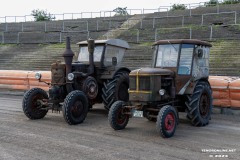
141	24
153	22
3	37
18	37
202	20
137	35
22	27
87	25
88	34
60	37
211	32
45	23
97	25
235	17
190	37
182	21
6	27
155	36
63	26
190	10
109	24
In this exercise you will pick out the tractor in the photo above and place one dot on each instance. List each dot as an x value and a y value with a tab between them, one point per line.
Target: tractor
176	82
96	77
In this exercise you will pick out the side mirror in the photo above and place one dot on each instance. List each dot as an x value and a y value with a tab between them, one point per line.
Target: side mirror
114	61
199	53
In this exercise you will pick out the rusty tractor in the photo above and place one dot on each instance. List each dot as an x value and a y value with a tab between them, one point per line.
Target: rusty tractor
177	82
95	77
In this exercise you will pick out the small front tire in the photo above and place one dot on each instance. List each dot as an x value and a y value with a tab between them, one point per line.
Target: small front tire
75	107
116	117
167	121
31	104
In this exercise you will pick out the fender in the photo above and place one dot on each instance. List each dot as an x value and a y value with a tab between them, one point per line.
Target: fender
109	74
189	88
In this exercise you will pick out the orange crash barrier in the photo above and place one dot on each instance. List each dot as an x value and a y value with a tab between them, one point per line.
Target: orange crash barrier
22	80
226	90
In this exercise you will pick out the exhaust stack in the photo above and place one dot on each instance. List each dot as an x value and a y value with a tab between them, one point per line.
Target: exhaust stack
91	46
68	56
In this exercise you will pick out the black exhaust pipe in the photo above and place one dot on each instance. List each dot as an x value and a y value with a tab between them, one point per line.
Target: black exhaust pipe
68	56
91	46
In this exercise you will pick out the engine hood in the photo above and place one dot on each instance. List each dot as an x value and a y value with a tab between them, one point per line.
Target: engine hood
151	72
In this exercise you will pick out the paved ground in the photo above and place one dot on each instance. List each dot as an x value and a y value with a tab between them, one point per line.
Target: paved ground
53	138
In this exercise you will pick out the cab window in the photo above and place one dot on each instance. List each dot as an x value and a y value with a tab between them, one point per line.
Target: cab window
167	55
185	62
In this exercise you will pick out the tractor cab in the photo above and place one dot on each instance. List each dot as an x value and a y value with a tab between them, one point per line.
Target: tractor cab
177	82
188	59
106	52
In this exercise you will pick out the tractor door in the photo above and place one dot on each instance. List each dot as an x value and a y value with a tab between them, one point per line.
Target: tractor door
184	71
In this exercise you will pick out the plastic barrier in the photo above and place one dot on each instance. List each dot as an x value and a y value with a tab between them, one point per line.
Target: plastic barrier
226	90
234	88
22	80
219	85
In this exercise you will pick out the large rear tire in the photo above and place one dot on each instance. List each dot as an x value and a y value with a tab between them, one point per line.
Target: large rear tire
116	117
115	89
75	107
32	108
199	105
167	120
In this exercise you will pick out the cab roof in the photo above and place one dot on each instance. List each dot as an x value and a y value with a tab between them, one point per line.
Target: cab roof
113	42
183	41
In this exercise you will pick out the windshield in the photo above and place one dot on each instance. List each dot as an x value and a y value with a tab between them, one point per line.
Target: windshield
84	54
167	55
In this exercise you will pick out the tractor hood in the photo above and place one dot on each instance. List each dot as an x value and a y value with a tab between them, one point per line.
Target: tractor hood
151	72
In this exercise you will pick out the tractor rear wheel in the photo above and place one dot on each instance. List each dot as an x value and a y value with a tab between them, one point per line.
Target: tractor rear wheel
116	117
75	107
31	104
199	105
115	89
167	120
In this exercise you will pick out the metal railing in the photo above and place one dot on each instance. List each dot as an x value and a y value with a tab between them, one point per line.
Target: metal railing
104	14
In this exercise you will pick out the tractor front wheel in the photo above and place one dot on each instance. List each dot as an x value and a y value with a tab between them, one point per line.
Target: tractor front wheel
31	104
116	117
75	107
167	121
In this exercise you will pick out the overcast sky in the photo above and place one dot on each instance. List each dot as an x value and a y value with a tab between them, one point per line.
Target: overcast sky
25	7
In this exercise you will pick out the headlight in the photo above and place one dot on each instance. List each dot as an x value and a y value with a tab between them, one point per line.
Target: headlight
162	92
38	76
70	76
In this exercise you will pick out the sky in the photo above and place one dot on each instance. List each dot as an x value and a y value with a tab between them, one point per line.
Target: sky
25	7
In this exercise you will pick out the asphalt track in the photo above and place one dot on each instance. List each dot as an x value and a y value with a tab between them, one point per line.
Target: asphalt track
52	138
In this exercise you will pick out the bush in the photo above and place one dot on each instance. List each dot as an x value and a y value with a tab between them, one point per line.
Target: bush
230	2
211	3
178	7
41	15
121	11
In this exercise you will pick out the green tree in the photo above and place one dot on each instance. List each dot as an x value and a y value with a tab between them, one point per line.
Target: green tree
120	11
178	7
231	1
41	15
211	3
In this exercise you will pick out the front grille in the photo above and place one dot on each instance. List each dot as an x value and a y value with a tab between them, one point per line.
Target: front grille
132	83
144	83
58	73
